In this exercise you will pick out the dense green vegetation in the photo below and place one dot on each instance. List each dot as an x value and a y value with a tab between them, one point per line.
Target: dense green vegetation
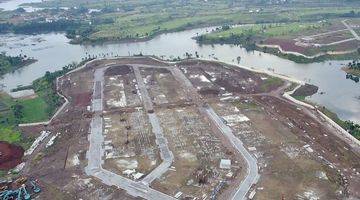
140	20
11	63
351	127
39	27
16	111
11	114
354	68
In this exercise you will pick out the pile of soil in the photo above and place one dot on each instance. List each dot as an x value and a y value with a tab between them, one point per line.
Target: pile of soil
306	90
209	91
118	70
10	155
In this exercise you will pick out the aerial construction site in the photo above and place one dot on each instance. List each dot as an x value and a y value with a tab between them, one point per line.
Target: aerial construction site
143	128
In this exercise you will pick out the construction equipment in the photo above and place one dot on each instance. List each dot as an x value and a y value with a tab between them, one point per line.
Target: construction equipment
2	188
26	194
19	194
35	188
2	193
9	194
20	181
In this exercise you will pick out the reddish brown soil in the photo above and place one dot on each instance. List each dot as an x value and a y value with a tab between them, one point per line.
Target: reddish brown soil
232	79
82	99
118	70
285	44
10	155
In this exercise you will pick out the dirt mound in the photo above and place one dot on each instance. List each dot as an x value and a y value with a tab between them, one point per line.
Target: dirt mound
306	90
209	91
118	70
10	155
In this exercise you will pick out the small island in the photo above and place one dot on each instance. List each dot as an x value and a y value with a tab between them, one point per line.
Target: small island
353	68
12	63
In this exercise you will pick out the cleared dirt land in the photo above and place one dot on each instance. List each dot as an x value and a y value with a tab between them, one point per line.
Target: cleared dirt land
298	154
334	38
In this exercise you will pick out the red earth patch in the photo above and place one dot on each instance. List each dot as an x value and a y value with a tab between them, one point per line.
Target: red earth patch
10	155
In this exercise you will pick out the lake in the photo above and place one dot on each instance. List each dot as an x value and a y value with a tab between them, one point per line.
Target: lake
53	51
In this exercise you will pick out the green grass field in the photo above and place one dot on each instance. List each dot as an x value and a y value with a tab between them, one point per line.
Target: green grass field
271	82
10	135
34	110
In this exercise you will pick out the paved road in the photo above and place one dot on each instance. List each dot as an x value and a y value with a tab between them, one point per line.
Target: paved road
165	153
351	30
252	169
252	175
322	34
96	151
338	42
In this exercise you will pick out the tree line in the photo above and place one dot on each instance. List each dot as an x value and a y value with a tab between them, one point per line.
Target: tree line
37	27
11	63
355	64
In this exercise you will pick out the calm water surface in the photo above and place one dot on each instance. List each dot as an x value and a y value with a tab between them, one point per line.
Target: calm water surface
53	51
14	4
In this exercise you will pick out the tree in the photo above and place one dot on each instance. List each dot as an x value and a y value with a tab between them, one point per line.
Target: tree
18	111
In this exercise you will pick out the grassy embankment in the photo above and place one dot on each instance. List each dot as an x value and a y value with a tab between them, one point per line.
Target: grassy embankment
28	110
308	90
351	127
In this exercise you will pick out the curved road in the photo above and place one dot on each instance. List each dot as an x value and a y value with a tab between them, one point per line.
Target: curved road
252	174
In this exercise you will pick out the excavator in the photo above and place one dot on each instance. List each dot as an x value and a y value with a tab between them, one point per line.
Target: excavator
35	188
20	193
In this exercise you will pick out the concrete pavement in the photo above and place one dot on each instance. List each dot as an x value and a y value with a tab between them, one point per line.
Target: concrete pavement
96	151
165	153
252	169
